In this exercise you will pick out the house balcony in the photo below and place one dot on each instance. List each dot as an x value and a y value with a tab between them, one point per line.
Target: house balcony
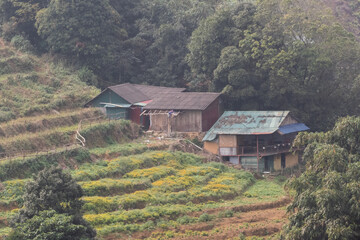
264	150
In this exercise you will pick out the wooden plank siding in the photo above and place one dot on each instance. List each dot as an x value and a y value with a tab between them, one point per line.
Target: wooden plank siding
186	121
211	114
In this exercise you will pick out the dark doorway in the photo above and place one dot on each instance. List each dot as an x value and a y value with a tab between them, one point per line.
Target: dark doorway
146	122
283	160
269	164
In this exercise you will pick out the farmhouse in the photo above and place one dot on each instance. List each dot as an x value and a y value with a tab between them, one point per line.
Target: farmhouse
127	100
160	108
258	140
184	111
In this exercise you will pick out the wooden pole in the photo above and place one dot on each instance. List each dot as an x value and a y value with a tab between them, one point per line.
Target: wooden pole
168	126
257	152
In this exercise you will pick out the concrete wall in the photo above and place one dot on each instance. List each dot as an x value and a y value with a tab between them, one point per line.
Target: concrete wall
228	141
186	121
212	147
291	160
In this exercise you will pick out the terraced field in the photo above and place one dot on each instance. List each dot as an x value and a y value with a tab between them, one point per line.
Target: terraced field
135	188
160	195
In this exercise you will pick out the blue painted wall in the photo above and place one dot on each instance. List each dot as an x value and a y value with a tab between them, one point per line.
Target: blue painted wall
109	96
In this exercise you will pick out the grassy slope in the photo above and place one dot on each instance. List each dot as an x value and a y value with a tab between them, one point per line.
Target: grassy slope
30	85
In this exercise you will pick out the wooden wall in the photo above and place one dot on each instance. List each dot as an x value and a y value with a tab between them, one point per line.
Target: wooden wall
135	115
186	121
211	114
288	120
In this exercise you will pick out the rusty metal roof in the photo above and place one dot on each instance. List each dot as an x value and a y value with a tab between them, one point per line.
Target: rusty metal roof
182	101
153	91
136	93
130	93
247	123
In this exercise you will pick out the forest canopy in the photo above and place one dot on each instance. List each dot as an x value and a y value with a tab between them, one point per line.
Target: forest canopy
262	55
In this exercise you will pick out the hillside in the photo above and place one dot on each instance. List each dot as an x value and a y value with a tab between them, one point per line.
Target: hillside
162	195
133	187
348	13
30	85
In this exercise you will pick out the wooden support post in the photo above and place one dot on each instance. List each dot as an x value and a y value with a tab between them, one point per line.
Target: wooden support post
169	126
257	152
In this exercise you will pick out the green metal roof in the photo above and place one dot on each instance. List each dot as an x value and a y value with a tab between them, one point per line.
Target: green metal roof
246	123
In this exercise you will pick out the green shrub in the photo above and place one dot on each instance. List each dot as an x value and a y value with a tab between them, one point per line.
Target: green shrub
205	217
22	44
226	214
87	76
149	225
13	191
16	64
186	220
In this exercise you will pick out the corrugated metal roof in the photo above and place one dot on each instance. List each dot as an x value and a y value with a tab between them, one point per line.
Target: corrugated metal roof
153	91
129	92
291	128
182	101
136	93
247	123
111	105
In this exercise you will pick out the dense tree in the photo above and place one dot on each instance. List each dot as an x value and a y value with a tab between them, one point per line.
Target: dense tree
278	55
52	209
18	18
155	53
327	195
263	55
87	30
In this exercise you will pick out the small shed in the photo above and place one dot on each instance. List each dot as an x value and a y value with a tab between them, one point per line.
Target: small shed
259	140
184	111
127	100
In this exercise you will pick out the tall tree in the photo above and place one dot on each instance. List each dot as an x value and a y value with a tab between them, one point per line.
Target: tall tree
18	17
156	48
89	31
52	209
279	54
326	203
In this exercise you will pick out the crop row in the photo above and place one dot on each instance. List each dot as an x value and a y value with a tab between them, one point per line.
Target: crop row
175	190
120	166
106	186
